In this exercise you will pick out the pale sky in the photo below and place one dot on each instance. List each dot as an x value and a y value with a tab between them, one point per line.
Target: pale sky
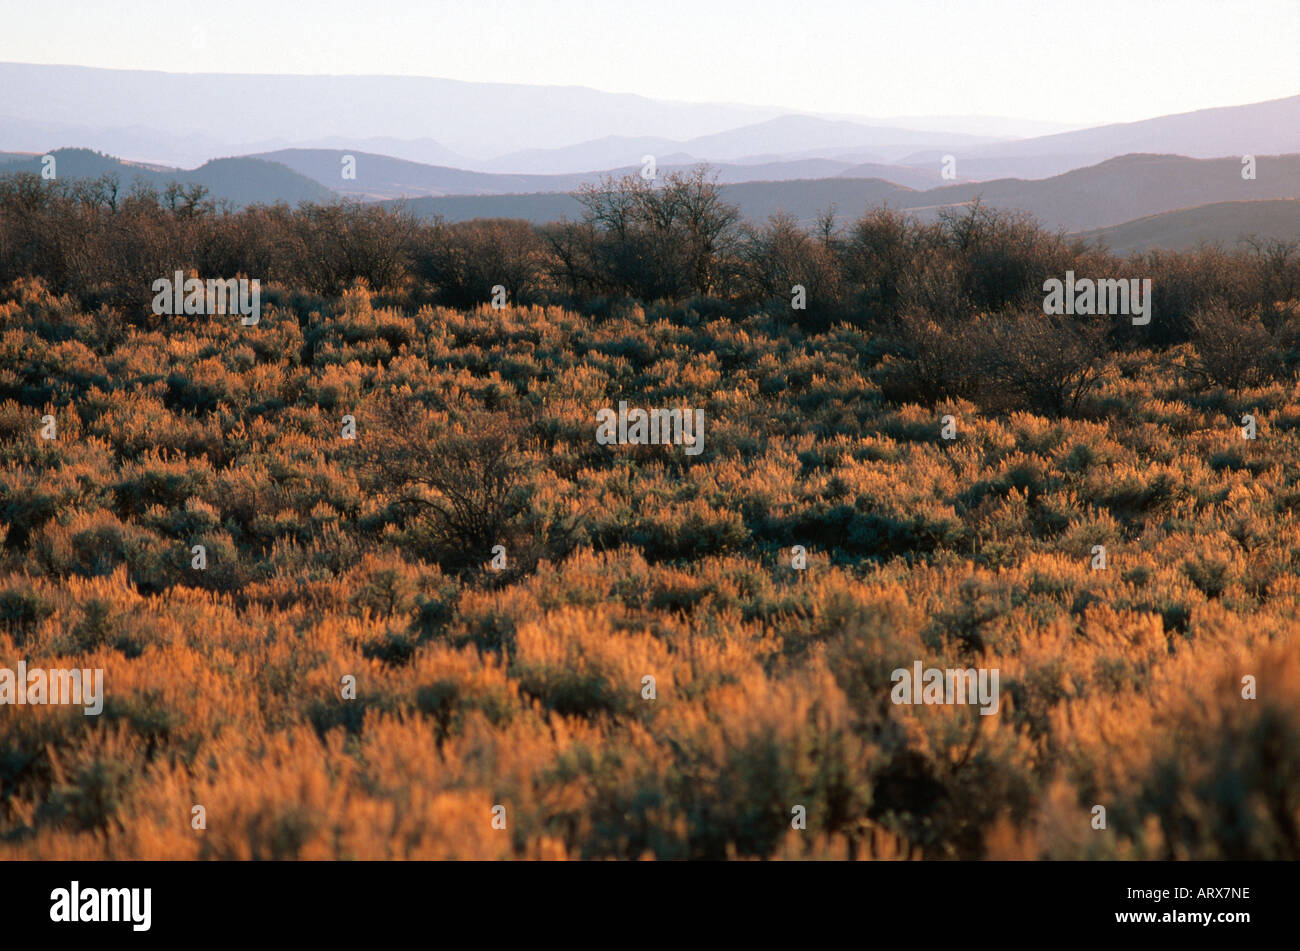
1084	62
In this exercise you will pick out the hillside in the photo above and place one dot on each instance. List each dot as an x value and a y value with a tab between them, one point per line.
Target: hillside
1225	224
1121	189
381	176
241	181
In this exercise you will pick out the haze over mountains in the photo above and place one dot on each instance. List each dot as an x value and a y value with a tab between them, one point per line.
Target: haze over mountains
185	119
464	150
381	176
1101	196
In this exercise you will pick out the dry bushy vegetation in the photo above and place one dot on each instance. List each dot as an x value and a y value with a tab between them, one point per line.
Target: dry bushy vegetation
368	557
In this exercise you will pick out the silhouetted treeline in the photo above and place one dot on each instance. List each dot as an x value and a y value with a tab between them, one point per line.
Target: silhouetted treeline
959	299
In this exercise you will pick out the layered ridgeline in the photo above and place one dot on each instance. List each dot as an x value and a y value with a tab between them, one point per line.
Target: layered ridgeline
1135	202
1110	193
497	127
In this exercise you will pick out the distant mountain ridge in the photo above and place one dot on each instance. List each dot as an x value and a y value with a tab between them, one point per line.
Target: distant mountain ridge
1109	193
1260	128
176	119
773	140
1133	202
377	177
172	116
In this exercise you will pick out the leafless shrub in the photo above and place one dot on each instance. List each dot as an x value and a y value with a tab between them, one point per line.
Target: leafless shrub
1236	350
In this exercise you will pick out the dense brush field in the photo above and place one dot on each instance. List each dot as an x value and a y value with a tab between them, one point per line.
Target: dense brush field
370	557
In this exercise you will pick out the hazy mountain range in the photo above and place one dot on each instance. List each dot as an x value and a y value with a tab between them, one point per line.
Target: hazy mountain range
381	176
464	150
186	119
1101	196
183	119
1133	202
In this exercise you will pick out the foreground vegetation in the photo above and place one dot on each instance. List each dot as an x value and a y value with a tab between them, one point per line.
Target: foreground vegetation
330	557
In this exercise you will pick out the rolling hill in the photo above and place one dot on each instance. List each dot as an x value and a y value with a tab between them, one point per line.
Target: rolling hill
241	181
1224	223
381	176
1127	187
